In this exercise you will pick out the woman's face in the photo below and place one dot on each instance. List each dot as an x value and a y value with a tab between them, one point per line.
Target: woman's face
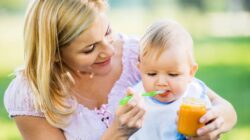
92	51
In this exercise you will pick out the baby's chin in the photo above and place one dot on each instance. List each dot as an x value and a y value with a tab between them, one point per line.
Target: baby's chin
164	99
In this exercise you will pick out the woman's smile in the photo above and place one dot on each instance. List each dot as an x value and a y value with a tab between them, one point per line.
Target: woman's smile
103	63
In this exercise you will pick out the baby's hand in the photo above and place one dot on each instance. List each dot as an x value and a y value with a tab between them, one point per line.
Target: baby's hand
213	127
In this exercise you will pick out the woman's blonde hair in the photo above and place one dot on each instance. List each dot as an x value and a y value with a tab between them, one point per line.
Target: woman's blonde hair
49	26
162	35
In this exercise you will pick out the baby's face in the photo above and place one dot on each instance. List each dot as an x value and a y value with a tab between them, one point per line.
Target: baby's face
171	72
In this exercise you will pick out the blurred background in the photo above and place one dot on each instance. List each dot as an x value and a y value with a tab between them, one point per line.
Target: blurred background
221	32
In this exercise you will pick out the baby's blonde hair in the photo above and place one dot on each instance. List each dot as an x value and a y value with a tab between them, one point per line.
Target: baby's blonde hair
49	26
162	35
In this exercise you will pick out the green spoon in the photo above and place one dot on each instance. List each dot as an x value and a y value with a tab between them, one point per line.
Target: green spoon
125	100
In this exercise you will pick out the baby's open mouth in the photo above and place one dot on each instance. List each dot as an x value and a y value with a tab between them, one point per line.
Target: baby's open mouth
164	94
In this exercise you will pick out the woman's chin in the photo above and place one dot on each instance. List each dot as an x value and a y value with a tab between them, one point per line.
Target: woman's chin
103	69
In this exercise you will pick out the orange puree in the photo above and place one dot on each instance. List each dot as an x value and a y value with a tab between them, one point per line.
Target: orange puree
189	114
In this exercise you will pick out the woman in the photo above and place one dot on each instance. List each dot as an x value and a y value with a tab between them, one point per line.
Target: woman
76	71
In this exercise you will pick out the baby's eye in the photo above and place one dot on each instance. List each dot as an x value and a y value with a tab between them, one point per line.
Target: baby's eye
173	74
151	74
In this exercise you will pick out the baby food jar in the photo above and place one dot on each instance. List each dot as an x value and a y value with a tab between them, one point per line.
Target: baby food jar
191	110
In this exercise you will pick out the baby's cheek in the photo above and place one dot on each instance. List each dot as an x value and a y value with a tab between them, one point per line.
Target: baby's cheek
148	87
180	90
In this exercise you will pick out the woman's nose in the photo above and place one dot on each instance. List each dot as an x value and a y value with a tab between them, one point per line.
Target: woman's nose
107	49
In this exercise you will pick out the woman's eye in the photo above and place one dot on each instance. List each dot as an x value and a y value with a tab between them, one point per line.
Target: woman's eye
151	74
89	49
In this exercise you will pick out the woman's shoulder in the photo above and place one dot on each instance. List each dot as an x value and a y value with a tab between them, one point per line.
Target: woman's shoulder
19	98
130	49
131	43
130	58
130	73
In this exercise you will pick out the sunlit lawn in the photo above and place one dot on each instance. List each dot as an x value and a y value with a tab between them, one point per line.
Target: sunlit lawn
224	65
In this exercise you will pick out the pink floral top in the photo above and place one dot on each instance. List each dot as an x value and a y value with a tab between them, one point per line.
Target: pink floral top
85	124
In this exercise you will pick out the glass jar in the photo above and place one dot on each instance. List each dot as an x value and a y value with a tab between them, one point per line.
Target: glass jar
191	110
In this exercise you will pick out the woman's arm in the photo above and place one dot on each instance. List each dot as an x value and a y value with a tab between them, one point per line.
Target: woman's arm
219	119
37	128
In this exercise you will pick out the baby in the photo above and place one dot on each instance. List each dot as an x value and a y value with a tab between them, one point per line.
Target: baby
166	63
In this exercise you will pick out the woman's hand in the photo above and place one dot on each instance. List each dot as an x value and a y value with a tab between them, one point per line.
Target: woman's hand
213	127
219	119
128	120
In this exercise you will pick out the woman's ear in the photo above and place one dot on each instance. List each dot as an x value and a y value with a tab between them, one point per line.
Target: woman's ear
193	70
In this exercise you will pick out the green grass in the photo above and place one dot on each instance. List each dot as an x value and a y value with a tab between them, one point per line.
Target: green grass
240	133
224	65
232	83
7	126
9	131
222	51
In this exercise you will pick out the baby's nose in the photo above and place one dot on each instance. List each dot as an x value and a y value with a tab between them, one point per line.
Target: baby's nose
162	81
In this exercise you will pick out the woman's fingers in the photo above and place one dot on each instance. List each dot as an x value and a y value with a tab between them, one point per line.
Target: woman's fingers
128	106
211	120
212	126
124	109
212	129
136	121
129	117
126	118
210	115
131	120
210	136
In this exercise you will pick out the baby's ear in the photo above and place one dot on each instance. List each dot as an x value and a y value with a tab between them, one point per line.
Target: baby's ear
138	62
193	70
139	65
